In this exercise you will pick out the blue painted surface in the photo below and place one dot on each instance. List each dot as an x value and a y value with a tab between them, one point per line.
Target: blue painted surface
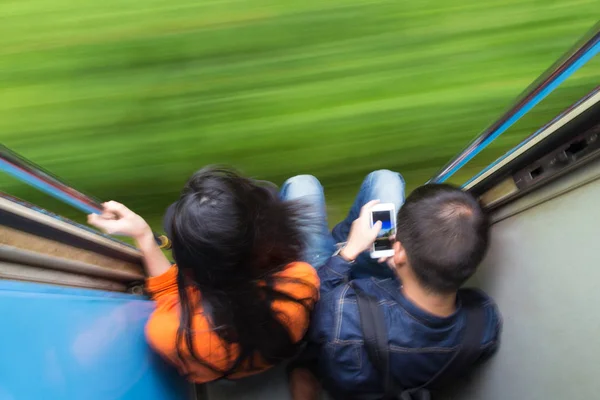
63	343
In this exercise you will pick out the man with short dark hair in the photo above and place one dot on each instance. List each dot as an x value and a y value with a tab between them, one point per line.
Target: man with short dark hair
442	236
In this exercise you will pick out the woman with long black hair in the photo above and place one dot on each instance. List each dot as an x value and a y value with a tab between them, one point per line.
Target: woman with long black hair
239	298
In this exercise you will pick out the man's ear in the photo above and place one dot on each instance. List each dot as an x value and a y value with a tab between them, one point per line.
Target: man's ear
399	257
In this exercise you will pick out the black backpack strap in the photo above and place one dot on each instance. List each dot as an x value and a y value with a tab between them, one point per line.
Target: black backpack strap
375	335
469	350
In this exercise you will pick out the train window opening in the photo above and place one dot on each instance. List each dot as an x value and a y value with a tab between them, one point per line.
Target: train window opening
536	172
576	147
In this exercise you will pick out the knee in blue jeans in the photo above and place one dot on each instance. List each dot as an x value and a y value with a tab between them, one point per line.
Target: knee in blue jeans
387	184
384	176
303	185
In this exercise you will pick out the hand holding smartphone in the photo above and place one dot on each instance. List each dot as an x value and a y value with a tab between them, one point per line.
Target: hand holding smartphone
386	214
371	231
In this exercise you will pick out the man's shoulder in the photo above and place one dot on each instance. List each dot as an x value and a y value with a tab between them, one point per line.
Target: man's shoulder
401	321
474	297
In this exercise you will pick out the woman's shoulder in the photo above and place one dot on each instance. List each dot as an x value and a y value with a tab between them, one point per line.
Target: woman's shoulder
300	281
300	271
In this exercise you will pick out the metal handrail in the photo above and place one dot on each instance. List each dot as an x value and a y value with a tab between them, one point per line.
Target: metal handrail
575	58
34	175
545	131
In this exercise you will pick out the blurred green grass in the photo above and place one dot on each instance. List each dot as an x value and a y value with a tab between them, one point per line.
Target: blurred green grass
125	99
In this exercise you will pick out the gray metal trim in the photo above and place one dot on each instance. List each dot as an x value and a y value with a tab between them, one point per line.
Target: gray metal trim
27	273
564	184
31	258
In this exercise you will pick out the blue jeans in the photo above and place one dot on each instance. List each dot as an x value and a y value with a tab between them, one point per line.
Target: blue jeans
307	190
383	185
387	187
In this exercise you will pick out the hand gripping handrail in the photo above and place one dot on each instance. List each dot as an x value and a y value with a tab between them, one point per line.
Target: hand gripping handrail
32	174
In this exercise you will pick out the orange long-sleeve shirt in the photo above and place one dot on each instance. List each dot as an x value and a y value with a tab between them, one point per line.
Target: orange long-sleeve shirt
161	330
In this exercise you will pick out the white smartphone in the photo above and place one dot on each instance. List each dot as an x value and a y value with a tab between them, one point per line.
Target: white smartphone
386	213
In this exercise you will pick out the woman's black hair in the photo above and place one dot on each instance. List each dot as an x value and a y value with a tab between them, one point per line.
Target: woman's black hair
230	235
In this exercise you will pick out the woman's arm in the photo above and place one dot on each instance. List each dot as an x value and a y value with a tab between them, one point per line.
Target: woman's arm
116	219
155	261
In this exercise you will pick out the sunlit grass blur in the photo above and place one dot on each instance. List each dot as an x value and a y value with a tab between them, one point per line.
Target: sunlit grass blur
126	98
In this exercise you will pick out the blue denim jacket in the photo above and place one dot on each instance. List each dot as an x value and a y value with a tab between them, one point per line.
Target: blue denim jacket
420	344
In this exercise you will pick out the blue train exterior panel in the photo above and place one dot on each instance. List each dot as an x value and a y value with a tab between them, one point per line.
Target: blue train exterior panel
75	344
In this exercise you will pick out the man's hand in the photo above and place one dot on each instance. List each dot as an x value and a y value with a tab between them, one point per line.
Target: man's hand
362	235
116	219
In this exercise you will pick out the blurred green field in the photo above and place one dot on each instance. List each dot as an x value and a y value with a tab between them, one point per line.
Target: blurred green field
126	98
